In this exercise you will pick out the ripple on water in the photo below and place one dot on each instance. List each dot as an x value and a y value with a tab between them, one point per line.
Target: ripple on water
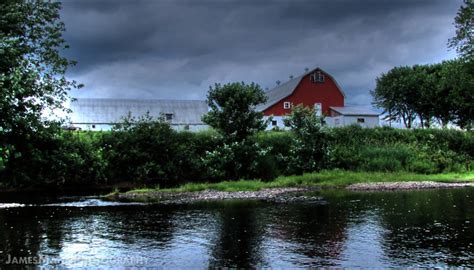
81	203
91	203
11	205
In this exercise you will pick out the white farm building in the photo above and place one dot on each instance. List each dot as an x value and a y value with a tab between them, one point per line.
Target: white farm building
346	116
102	114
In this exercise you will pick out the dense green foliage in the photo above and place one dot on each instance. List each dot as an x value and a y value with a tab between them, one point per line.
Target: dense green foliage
32	81
232	110
309	146
385	149
439	93
232	114
57	159
153	154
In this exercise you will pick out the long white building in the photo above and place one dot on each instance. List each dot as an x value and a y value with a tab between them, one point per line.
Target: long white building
103	114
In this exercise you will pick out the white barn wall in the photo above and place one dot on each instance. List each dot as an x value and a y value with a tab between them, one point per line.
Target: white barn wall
101	114
280	123
369	121
108	127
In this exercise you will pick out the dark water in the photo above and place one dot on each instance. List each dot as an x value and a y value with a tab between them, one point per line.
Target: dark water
383	229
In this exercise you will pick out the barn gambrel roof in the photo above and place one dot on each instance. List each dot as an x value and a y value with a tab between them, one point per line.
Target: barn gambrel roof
286	89
111	111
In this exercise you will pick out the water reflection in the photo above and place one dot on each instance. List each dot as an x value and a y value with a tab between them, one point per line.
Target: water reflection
239	235
391	229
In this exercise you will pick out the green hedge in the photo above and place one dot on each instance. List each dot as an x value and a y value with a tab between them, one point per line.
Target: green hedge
154	154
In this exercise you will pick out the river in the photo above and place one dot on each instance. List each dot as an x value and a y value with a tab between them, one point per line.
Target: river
429	228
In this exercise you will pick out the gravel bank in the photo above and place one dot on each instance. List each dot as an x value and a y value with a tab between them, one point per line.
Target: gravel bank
406	185
289	194
272	194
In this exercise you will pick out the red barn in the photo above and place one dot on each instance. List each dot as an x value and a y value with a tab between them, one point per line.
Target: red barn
316	89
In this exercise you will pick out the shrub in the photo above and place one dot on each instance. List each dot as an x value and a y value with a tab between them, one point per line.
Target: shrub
143	151
309	147
422	166
55	158
243	159
388	164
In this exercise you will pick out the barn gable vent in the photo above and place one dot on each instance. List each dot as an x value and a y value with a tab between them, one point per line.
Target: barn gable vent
317	77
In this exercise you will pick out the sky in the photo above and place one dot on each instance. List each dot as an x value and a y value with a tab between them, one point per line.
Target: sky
164	49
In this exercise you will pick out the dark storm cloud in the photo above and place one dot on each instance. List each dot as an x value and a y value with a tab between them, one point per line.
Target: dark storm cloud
176	49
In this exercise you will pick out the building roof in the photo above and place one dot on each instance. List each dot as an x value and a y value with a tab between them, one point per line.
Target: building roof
354	110
286	89
110	111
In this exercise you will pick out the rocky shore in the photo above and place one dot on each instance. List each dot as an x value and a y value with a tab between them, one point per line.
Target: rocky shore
285	194
289	194
407	185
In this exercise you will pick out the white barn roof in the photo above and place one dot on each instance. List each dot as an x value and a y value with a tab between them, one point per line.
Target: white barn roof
110	111
354	110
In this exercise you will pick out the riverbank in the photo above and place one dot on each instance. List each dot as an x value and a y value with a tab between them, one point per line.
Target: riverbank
408	185
282	186
288	194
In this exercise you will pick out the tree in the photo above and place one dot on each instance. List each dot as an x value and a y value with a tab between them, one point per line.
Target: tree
441	99
424	85
464	39
31	74
462	70
234	116
440	91
454	98
233	111
395	93
310	144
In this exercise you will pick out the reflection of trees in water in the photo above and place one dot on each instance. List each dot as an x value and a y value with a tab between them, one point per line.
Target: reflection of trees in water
315	233
240	229
132	225
426	226
43	231
29	232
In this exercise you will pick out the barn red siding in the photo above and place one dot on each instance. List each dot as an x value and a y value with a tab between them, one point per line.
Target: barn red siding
308	93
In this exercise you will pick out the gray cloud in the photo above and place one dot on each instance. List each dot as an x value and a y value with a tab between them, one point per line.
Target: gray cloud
176	49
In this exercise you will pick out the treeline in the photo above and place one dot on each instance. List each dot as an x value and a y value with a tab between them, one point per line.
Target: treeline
428	94
443	93
152	153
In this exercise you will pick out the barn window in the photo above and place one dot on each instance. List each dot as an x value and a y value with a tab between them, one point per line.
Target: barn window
168	116
317	77
360	120
286	105
274	123
318	109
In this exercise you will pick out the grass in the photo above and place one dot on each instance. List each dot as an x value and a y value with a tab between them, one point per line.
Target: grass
330	179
